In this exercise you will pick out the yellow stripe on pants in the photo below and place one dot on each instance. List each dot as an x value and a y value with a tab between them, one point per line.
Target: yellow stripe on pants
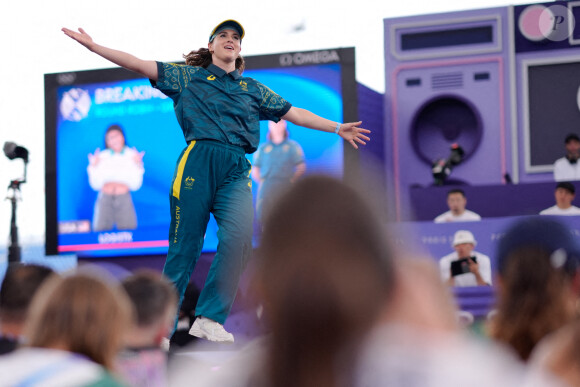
180	168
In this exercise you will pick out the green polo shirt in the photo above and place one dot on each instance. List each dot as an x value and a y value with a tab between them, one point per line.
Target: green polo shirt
211	104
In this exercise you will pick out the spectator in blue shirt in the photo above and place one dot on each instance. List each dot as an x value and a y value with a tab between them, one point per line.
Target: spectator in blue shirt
277	163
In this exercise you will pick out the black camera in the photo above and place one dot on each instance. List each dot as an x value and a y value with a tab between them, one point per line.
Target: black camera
442	168
13	151
461	266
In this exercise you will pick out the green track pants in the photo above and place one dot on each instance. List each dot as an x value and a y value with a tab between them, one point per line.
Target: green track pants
210	177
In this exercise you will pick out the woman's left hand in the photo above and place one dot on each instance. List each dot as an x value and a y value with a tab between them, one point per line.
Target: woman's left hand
353	134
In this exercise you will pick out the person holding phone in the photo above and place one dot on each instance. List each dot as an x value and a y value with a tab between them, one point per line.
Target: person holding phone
465	266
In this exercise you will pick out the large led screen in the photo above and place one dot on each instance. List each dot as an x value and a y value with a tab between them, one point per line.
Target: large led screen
81	108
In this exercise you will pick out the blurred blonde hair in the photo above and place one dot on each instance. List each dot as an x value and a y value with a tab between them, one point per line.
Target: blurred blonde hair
79	313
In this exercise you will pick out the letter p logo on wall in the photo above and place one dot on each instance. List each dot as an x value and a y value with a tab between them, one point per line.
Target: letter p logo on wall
557	21
539	22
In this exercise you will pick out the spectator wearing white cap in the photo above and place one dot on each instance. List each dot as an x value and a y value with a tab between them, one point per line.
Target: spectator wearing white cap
465	266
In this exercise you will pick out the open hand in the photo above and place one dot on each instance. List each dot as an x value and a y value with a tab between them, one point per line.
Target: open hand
353	134
82	37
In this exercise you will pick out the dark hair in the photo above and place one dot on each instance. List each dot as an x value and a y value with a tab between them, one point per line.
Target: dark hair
117	128
151	295
570	137
537	259
202	58
567	186
18	288
456	190
324	272
532	301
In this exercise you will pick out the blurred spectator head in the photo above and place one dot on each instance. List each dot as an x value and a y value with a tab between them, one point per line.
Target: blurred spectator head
18	288
79	313
325	274
456	201
537	263
155	303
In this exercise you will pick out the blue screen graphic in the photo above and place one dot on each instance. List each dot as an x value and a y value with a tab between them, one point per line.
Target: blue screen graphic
146	116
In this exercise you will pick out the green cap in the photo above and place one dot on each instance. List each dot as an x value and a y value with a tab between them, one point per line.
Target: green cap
227	24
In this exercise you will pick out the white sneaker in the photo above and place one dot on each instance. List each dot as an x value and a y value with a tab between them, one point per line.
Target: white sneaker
211	330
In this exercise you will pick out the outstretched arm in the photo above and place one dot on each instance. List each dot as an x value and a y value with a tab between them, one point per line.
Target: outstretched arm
147	68
349	131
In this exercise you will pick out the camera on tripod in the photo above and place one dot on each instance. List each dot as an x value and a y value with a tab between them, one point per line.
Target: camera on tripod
442	168
13	151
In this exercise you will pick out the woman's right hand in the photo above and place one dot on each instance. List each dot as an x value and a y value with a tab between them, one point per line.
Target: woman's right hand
147	68
82	37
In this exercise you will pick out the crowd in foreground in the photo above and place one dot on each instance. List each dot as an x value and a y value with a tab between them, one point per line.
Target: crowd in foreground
341	307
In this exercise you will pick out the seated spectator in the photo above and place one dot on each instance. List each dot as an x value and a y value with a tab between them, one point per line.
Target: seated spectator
457	201
465	267
565	194
73	333
538	283
143	362
18	288
567	168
